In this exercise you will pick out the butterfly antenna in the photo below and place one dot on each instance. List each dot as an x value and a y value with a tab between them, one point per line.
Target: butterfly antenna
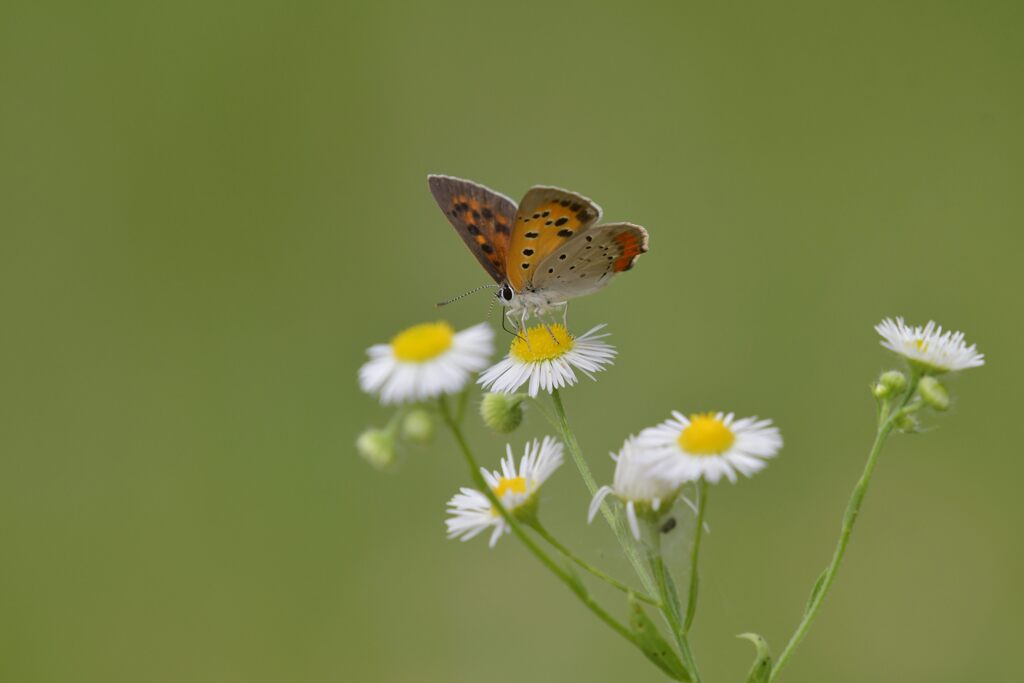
464	295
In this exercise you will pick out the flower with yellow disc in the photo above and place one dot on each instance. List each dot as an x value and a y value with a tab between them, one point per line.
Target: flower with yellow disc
710	446
471	511
546	357
426	361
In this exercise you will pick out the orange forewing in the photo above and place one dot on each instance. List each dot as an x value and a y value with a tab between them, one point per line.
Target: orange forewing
546	219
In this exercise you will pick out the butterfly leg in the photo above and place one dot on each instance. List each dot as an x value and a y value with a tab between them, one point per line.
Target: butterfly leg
506	318
547	326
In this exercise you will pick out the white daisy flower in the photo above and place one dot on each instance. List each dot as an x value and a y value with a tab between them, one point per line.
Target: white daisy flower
426	361
471	512
545	356
636	484
710	446
929	347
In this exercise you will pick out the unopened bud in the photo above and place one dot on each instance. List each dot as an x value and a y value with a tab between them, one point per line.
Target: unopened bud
377	447
418	426
907	423
502	412
894	380
933	393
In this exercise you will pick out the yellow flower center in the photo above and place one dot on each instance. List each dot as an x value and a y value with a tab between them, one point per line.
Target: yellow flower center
422	342
921	345
515	484
542	342
706	435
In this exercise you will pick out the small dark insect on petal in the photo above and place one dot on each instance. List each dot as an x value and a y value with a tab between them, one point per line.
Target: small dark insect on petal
668	525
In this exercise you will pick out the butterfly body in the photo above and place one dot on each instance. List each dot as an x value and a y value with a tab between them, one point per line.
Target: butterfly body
542	252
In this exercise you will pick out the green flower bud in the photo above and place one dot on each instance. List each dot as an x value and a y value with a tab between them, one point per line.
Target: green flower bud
894	380
933	393
907	423
377	447
879	390
418	426
502	412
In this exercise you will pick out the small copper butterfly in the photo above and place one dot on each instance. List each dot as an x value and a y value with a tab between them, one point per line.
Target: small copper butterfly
544	252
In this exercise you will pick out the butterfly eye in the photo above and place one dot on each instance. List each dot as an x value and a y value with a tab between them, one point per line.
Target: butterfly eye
506	293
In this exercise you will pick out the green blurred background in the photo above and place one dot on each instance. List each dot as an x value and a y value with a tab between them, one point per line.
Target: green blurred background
210	209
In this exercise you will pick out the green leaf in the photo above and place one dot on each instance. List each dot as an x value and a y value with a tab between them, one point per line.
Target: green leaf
814	591
653	645
761	670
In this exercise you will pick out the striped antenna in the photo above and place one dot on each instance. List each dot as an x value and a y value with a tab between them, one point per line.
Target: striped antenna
464	295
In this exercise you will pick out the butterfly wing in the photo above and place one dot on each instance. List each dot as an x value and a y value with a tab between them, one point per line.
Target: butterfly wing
588	261
547	218
482	217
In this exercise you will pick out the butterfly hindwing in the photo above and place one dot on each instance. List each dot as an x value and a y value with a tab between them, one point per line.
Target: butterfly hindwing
588	261
482	217
547	218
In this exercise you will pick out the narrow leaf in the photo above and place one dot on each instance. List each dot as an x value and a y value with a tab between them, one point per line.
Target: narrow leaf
814	591
761	670
653	645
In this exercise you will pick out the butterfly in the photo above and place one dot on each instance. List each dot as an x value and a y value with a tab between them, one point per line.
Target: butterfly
543	252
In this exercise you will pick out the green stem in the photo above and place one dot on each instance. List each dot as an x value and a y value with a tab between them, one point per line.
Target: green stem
698	533
670	602
614	520
885	428
520	533
557	545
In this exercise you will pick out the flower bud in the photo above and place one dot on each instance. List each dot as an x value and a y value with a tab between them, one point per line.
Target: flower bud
377	447
418	426
502	412
879	390
933	393
894	380
907	423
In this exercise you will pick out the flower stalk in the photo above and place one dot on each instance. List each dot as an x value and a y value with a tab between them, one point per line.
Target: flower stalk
574	585
614	520
698	534
889	418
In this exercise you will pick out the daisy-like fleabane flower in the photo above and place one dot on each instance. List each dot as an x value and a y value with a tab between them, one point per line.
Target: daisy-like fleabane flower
710	446
426	361
636	483
928	347
471	512
546	356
